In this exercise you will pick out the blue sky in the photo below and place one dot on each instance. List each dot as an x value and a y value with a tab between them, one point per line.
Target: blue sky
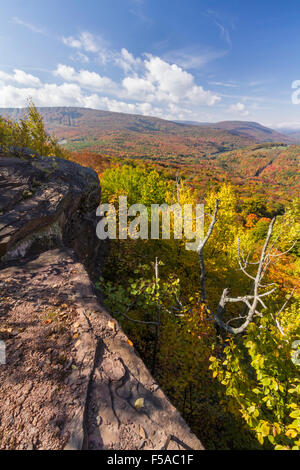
200	60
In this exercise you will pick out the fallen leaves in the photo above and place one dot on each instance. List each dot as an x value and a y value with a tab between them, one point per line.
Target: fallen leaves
112	325
6	330
142	432
139	403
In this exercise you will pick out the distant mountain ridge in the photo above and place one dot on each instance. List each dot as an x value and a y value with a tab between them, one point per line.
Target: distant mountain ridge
292	133
132	135
247	128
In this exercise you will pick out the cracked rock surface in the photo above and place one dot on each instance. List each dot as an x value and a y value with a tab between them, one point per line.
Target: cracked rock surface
72	378
47	202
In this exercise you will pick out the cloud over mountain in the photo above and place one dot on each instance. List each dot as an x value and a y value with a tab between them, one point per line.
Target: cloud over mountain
149	85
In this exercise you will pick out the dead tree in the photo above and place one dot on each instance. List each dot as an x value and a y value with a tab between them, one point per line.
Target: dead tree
255	299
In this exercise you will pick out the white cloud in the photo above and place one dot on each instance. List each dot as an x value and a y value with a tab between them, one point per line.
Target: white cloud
224	84
194	57
47	95
137	87
86	79
239	108
256	83
294	125
224	33
159	83
127	61
218	20
80	57
150	86
152	79
72	42
174	84
30	26
70	94
21	77
170	79
86	41
89	43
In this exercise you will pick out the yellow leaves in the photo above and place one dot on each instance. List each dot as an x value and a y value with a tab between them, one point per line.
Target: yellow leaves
139	403
260	438
276	429
76	325
295	413
181	355
292	433
265	429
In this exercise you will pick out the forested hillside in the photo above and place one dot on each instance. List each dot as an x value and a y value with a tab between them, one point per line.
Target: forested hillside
221	343
268	172
131	135
250	129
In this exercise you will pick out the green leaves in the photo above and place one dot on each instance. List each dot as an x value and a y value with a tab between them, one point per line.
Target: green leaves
30	132
295	414
136	182
264	384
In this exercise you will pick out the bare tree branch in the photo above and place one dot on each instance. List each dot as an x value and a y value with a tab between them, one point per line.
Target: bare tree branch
251	301
284	252
133	319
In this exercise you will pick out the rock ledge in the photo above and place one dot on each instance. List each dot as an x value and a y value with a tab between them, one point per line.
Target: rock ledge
71	378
